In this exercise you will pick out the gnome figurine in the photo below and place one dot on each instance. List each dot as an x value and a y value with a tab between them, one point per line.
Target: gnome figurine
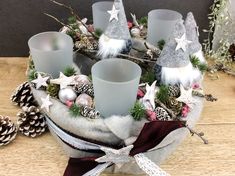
192	33
116	38
174	66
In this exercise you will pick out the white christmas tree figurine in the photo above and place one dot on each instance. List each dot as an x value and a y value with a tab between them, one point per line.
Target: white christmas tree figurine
192	33
174	66
116	38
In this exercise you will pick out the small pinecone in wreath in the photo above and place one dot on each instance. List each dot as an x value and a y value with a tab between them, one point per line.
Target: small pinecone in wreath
23	96
89	112
162	114
174	105
148	55
174	91
7	130
31	122
84	88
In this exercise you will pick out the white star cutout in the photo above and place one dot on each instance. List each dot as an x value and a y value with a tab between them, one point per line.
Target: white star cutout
118	157
114	13
46	103
63	80
186	97
40	81
182	43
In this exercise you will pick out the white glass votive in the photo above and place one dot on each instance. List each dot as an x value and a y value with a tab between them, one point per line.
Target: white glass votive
115	84
100	14
161	22
51	52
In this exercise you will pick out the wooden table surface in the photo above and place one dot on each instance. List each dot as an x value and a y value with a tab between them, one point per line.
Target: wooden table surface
44	157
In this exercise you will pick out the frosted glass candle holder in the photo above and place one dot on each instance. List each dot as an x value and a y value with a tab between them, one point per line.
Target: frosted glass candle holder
161	22
115	84
100	14
51	52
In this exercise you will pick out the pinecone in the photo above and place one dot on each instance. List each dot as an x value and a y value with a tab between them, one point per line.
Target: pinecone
31	122
23	96
148	55
174	91
89	112
7	130
174	105
84	88
162	114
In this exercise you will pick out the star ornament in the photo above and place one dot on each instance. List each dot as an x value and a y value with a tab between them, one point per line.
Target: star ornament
63	80
182	43
46	103
40	81
186	97
118	157
114	13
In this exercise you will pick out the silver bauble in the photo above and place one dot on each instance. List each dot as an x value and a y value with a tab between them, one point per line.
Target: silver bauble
67	94
84	100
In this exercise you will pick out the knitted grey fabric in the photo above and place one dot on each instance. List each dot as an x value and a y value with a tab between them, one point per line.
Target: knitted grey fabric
192	34
118	29
169	56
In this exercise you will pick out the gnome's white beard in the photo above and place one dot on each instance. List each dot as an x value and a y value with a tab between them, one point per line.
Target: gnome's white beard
109	47
184	75
200	56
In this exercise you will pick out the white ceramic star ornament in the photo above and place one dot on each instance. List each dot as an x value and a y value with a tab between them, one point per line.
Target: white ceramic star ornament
182	43
118	157
186	97
46	103
63	80
114	13
40	81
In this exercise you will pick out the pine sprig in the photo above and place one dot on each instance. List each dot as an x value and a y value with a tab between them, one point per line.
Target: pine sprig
75	110
162	94
197	64
69	71
32	75
148	77
98	32
137	111
143	21
161	44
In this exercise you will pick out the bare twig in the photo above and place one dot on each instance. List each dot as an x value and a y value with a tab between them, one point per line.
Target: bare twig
56	19
168	110
72	11
200	135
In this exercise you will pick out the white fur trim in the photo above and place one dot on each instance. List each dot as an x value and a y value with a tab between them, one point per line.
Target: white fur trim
184	75
200	56
109	47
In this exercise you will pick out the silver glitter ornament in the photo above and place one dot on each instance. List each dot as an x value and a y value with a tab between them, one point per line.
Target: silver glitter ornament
67	94
84	100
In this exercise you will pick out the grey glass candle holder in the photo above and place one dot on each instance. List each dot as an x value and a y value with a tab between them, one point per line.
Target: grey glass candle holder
115	84
161	22
100	14
51	52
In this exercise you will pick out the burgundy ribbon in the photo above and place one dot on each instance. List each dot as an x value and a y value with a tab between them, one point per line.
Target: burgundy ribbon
150	136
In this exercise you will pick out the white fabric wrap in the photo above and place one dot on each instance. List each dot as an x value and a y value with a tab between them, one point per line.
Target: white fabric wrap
115	130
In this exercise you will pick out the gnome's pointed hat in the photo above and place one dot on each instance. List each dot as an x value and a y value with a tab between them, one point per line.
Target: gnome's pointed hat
170	56
192	34
118	29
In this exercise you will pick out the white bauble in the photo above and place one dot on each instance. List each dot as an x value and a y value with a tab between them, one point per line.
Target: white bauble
67	94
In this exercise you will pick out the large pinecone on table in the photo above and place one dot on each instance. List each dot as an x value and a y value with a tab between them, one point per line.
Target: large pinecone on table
23	96
8	130
174	105
31	122
162	114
